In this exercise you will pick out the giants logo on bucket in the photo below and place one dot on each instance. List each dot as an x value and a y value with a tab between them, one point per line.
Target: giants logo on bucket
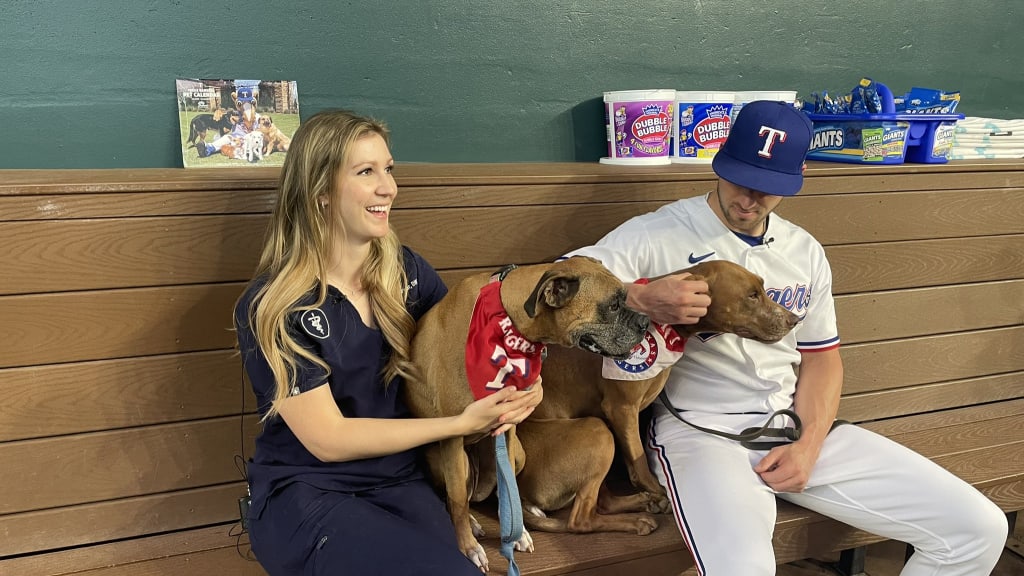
653	125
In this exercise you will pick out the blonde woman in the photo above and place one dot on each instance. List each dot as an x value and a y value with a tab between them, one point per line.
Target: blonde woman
324	329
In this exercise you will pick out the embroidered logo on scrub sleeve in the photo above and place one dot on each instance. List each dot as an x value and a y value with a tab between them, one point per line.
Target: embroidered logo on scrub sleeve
314	322
497	355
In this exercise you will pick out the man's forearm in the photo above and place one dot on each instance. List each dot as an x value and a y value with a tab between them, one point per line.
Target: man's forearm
817	394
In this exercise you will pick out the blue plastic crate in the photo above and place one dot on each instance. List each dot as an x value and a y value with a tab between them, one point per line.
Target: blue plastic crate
884	138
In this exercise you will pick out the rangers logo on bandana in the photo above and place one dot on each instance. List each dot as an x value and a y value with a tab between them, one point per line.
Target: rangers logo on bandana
661	347
498	355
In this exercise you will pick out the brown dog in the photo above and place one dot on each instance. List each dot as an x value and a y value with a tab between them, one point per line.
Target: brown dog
274	140
573	303
568	458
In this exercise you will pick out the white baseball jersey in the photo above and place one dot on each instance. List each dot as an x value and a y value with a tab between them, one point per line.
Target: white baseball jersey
723	373
860	477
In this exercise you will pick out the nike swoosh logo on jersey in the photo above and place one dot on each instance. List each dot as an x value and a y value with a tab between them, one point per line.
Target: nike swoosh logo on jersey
695	259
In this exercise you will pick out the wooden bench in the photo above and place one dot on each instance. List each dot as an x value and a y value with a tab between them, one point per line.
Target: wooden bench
123	414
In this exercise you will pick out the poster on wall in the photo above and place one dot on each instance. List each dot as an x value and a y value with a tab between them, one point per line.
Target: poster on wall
236	122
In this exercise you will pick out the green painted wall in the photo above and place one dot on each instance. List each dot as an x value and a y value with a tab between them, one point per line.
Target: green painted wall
90	83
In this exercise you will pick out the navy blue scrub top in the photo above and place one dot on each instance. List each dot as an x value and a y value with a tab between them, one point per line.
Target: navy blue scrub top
356	354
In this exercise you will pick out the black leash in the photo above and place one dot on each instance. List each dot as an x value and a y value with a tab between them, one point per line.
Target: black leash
747	436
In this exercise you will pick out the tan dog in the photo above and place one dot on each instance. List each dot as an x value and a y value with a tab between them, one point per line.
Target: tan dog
568	456
573	303
274	140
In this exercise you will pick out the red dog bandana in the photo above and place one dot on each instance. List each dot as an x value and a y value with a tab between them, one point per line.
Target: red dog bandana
661	347
497	355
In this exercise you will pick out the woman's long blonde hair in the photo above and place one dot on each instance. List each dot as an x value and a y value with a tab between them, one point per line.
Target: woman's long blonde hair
299	239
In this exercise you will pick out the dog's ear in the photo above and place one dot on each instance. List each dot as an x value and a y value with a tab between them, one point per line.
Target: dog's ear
554	290
707	276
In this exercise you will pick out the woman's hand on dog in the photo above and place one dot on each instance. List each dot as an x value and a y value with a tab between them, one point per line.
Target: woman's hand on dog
500	411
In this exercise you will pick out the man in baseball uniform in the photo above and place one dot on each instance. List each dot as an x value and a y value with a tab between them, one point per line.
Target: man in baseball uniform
723	491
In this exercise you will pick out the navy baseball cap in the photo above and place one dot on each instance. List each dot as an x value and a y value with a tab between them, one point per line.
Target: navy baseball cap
245	94
766	148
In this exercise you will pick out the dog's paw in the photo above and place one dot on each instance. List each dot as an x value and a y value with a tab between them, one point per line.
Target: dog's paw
658	504
534	511
645	524
477	555
478	530
525	544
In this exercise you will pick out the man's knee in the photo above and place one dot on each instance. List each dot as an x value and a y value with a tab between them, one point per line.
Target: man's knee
992	528
974	537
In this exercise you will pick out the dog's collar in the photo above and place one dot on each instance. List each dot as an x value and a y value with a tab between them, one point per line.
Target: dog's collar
503	272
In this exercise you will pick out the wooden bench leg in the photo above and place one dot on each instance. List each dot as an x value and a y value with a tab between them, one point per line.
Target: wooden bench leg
1013	543
851	561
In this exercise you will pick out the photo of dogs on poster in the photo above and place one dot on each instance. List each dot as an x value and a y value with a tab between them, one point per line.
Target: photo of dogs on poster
236	122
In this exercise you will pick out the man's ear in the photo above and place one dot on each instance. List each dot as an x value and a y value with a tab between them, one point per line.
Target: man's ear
553	290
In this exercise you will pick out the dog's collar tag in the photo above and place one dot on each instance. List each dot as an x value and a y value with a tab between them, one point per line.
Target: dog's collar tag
497	354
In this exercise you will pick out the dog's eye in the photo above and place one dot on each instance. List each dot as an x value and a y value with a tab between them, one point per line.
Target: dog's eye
614	307
754	295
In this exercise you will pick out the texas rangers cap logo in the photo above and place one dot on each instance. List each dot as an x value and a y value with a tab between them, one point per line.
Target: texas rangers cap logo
314	322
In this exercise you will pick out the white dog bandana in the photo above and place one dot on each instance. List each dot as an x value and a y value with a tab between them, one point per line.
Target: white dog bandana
661	347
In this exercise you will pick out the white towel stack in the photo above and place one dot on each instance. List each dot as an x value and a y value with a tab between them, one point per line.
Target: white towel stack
976	138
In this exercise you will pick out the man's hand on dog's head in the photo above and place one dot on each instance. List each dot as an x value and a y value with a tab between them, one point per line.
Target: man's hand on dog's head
674	299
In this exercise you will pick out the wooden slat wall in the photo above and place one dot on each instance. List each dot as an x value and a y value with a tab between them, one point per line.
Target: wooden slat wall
123	394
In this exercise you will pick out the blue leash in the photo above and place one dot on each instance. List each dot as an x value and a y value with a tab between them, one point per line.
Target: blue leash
510	507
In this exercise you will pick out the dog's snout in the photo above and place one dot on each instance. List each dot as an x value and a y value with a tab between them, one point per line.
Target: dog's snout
792	320
642	322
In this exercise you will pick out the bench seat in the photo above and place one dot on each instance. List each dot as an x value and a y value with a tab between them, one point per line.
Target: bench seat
125	409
